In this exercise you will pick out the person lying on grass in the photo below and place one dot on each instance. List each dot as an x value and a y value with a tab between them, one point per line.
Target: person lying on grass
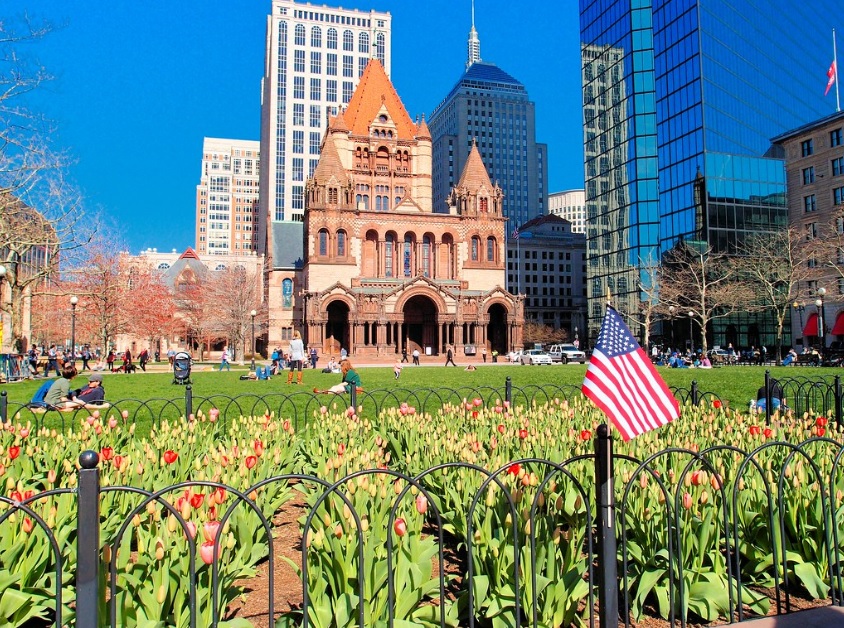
350	379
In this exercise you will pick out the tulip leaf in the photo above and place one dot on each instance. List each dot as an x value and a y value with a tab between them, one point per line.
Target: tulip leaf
808	575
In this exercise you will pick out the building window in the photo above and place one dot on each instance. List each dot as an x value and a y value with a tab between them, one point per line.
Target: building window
426	256
316	115
323	242
316	63
298	114
299	87
407	256
490	249
298	60
476	245
838	196
341	242
808	175
835	138
363	43
331	64
811	231
331	39
807	148
389	246
809	203
316	89
300	35
348	66
348	41
838	166
316	37
298	141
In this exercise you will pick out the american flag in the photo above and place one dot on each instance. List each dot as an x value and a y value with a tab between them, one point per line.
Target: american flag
831	74
623	382
516	233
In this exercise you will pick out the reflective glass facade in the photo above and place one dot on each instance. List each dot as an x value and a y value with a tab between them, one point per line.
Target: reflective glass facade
681	98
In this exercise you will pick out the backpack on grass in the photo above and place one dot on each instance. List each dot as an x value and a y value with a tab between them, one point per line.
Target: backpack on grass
40	394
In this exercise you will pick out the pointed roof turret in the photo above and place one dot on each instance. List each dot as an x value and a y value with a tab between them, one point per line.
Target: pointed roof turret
474	172
422	131
374	91
329	164
189	254
338	122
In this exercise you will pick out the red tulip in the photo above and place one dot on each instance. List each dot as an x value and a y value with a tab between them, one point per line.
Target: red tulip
755	430
716	403
220	495
27	525
286	425
196	500
768	432
106	453
258	446
514	468
585	434
27	494
206	552
15	496
170	456
251	461
821	431
523	433
474	414
118	461
400	527
341	449
501	428
821	421
14	452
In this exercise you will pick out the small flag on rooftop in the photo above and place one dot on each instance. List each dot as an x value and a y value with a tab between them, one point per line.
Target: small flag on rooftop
830	73
516	233
622	381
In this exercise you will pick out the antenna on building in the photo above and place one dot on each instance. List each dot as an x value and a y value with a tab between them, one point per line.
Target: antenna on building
474	43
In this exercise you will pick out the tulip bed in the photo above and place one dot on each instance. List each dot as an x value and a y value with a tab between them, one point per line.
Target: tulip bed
481	509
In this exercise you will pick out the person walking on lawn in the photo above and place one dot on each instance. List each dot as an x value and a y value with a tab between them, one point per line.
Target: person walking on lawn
449	357
224	360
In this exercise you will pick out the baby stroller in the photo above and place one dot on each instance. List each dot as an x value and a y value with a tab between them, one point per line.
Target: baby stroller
181	368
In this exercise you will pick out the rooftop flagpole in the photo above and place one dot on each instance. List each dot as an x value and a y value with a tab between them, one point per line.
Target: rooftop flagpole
835	63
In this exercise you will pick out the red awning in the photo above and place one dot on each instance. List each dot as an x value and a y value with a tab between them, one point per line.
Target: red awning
811	328
838	329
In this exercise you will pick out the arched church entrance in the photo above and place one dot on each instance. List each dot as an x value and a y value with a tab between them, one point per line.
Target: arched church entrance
419	329
496	331
337	328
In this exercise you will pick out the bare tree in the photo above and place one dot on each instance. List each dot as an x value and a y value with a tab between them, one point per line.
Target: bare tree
197	309
41	221
534	332
706	283
649	306
776	264
151	306
236	293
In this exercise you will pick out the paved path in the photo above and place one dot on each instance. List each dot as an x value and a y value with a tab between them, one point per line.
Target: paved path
826	617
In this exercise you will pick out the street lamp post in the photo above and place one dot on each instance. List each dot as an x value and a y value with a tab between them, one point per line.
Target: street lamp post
252	365
691	331
305	295
671	311
73	301
2	306
799	308
821	317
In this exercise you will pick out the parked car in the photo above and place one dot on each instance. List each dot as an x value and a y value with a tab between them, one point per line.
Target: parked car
566	353
535	356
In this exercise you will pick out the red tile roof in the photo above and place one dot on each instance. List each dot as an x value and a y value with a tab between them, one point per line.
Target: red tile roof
374	91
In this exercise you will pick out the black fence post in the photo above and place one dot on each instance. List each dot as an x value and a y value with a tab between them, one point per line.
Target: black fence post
837	399
767	397
88	542
353	397
695	398
607	549
4	407
508	391
188	401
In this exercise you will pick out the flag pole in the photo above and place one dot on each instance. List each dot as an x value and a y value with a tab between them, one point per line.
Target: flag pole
835	64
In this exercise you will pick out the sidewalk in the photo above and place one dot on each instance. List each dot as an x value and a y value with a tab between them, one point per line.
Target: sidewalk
826	617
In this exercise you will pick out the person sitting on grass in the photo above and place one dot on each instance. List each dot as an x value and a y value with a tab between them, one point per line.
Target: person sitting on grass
350	379
59	396
93	393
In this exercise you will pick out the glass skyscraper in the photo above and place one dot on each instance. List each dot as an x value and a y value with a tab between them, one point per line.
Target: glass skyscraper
681	99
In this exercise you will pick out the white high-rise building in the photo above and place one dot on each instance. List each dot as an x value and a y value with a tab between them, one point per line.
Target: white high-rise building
227	197
315	55
571	205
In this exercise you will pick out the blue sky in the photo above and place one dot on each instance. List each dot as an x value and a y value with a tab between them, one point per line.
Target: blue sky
139	84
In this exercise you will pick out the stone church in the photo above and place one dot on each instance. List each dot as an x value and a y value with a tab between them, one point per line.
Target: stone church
382	271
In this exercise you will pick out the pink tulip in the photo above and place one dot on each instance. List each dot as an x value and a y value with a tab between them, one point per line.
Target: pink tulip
112	422
323	410
400	527
687	501
24	432
125	414
96	414
51	476
191	526
206	552
209	530
91	420
421	504
478	402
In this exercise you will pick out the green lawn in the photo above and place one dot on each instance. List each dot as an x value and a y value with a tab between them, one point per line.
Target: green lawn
737	384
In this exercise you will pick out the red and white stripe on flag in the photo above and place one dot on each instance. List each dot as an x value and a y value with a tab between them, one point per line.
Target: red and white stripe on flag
830	74
622	381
